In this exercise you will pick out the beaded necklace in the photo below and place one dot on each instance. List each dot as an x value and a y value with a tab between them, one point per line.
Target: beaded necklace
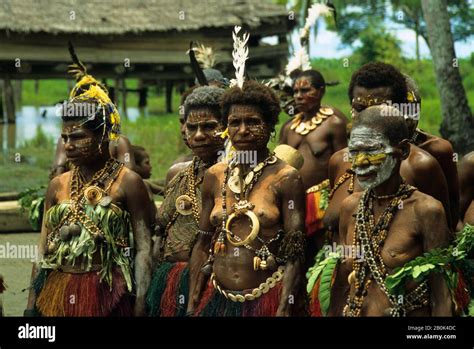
263	259
349	174
81	193
369	237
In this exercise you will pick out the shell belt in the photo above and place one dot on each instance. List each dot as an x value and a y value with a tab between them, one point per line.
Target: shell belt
252	294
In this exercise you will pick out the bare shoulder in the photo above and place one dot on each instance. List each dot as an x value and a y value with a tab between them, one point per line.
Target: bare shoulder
286	172
339	114
439	147
337	121
217	169
175	169
338	162
426	206
467	162
349	204
57	184
420	159
338	157
130	178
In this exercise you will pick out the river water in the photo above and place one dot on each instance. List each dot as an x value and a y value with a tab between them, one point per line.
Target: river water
28	121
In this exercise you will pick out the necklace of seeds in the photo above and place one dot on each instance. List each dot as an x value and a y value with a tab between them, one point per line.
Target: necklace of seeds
369	238
349	174
192	186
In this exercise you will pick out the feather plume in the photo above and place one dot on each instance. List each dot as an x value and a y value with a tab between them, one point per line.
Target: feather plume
205	56
196	67
300	60
240	55
77	69
314	12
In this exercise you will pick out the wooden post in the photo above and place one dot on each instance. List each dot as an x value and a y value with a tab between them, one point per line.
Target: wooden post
142	94
124	97
2	119
9	100
17	88
169	96
116	91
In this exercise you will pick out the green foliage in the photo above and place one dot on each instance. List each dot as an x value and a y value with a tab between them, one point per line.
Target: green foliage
324	295
378	45
32	199
440	260
323	270
354	16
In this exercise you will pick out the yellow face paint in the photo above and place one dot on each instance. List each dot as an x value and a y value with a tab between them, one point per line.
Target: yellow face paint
225	134
364	159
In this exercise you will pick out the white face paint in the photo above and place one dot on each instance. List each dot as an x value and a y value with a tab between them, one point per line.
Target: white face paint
369	141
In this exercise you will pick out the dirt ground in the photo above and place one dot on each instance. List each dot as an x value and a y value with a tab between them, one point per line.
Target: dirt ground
16	273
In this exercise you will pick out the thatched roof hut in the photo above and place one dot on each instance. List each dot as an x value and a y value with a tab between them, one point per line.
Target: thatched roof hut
152	35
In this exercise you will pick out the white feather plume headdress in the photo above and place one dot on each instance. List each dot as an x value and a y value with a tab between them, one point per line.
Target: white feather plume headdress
300	59
240	54
314	12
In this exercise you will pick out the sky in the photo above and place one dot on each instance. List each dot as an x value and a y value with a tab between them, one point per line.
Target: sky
328	44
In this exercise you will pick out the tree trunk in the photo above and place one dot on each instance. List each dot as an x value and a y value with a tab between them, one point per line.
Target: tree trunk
169	96
457	125
123	86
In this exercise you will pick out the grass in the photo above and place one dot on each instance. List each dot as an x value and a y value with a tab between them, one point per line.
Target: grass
28	165
159	132
422	72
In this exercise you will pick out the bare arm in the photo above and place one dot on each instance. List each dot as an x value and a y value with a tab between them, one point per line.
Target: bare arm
340	288
124	152
466	183
293	208
435	233
284	132
60	159
200	252
443	151
139	208
436	186
338	133
174	170
336	161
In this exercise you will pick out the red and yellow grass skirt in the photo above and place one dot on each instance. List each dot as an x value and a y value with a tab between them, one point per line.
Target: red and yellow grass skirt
83	294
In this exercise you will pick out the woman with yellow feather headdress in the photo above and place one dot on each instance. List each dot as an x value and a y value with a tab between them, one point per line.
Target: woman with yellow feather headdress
119	147
94	250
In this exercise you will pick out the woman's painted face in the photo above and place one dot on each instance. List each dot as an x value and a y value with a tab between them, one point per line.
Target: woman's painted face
306	96
82	145
372	156
203	130
367	97
247	129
